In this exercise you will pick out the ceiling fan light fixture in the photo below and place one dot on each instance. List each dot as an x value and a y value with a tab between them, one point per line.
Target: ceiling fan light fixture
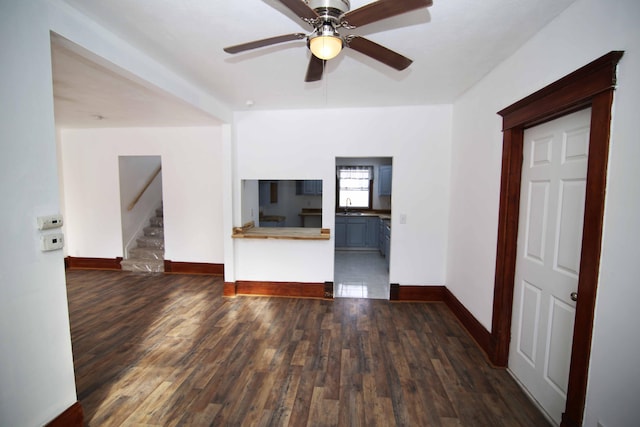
327	43
325	47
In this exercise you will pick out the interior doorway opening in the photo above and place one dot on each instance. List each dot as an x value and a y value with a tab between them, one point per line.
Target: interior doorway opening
142	213
362	227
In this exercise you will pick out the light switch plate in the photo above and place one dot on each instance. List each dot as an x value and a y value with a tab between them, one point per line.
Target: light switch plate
49	221
52	242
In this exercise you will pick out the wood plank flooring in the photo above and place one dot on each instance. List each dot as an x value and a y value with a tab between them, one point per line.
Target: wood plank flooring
170	350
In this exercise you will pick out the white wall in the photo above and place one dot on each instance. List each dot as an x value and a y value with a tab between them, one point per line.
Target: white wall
36	364
192	180
585	31
290	145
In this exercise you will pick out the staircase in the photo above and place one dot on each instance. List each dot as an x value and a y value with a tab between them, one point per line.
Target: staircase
148	256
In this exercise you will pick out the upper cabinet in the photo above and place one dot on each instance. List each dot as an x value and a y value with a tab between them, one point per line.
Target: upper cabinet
309	187
384	180
268	192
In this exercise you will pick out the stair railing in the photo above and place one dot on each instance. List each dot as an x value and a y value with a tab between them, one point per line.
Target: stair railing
133	203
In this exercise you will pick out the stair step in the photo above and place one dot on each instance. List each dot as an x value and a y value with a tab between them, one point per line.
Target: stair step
154	231
150	242
146	253
142	265
156	221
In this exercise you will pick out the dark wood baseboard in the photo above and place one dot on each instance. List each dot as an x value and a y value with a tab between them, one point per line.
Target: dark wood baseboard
174	267
229	289
417	293
280	289
478	332
80	263
72	417
441	294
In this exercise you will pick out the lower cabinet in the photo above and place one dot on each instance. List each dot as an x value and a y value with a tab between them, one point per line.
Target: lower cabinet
272	223
381	242
387	245
357	232
341	232
384	239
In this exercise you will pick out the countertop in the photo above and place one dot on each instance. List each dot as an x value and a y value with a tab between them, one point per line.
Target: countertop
310	212
385	216
249	231
272	218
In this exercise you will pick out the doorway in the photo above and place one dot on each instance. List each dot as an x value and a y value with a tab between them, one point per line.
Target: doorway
592	85
363	227
141	213
552	197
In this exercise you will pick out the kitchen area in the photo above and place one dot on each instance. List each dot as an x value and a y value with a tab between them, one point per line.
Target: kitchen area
362	232
362	227
290	203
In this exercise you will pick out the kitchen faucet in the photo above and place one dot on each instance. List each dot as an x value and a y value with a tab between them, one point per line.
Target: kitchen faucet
347	204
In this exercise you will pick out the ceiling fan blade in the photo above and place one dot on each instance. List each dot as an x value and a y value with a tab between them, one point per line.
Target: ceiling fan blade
300	8
381	9
264	42
315	69
379	53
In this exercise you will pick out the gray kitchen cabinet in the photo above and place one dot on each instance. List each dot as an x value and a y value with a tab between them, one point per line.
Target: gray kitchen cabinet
309	187
372	232
268	192
263	192
341	232
357	232
272	221
387	247
384	180
387	241
381	238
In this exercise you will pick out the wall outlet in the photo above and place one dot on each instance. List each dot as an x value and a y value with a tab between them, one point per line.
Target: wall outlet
52	242
49	221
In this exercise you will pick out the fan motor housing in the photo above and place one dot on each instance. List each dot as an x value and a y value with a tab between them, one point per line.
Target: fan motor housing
320	5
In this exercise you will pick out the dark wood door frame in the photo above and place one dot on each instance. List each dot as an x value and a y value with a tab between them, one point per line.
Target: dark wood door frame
590	86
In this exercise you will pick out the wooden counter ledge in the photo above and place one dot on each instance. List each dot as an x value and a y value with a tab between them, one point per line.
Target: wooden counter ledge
249	231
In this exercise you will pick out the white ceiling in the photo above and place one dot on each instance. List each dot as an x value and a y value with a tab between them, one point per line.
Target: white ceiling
453	44
89	92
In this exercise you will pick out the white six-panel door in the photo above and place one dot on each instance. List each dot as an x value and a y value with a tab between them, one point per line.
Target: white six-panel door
552	199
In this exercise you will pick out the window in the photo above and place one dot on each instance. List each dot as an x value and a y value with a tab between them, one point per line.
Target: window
354	186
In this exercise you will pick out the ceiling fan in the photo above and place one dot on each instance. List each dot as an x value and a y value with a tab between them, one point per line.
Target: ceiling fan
325	42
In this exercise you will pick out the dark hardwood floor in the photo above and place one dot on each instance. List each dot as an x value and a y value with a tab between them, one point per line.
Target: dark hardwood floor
170	350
